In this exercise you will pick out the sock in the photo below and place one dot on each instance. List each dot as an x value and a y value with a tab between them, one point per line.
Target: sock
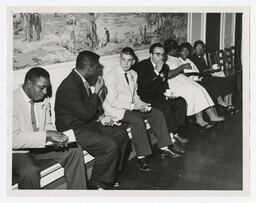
172	137
164	148
140	157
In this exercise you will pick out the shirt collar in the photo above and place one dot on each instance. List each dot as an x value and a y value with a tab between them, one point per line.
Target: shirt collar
83	79
26	98
154	65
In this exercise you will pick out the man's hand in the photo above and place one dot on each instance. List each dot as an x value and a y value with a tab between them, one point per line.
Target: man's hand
187	66
159	65
142	106
57	138
99	85
107	120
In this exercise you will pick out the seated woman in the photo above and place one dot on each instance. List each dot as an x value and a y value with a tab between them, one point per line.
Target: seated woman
216	86
196	96
212	88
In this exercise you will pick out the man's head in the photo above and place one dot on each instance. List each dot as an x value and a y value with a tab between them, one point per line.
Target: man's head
87	63
171	47
156	52
37	83
127	58
199	48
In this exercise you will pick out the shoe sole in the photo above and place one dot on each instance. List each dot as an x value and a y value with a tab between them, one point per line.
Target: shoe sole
172	156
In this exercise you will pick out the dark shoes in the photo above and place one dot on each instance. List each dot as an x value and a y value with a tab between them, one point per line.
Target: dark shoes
169	152
207	126
233	110
175	147
97	185
180	139
142	165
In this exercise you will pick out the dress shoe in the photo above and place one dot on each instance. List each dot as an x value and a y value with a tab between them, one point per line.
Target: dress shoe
205	127
142	165
96	185
233	110
180	139
168	153
177	148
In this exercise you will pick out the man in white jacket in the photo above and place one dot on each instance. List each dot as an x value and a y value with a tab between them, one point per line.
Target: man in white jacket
32	129
123	102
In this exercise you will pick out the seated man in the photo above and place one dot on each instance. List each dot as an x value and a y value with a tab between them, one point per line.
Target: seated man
32	128
123	103
77	108
152	84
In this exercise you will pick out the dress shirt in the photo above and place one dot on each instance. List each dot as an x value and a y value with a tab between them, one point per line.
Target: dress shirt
28	104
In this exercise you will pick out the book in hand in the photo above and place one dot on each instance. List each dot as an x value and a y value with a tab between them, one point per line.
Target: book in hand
71	138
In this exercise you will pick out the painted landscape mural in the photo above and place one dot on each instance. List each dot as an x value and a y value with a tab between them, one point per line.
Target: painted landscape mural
49	38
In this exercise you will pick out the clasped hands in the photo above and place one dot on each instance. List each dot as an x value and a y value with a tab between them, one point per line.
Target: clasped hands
58	139
108	120
142	106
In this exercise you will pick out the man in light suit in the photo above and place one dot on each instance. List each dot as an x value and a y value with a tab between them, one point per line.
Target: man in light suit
77	108
32	128
123	103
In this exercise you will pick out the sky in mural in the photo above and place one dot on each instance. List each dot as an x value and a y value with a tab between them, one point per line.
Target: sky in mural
49	38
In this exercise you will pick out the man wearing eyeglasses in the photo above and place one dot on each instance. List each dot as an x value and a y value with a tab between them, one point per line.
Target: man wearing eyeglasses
152	84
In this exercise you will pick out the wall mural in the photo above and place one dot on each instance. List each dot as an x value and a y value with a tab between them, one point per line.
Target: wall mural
48	38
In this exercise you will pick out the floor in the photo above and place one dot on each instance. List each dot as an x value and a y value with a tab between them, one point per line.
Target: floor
213	161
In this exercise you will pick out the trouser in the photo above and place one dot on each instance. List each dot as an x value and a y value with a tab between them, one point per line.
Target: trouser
135	120
107	145
27	167
174	110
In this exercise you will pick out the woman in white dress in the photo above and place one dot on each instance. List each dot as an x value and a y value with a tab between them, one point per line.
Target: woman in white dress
196	96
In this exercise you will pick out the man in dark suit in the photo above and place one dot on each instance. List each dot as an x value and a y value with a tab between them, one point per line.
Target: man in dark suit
77	108
152	84
31	131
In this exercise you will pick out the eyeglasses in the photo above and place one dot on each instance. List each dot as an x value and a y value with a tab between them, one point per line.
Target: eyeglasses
159	54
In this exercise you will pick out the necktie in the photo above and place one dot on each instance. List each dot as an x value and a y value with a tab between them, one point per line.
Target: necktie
126	77
87	88
33	115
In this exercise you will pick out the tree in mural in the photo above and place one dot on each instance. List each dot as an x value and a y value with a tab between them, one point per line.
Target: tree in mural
92	35
30	22
164	24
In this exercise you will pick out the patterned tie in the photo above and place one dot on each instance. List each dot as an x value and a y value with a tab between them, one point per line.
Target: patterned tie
126	77
33	115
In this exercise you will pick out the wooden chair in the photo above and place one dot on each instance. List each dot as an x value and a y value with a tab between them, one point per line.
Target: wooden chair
211	58
220	59
229	62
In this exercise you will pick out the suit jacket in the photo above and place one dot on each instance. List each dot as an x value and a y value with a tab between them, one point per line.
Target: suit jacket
74	108
120	94
200	63
23	135
150	85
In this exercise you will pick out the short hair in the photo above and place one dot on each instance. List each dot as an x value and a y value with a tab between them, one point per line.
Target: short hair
153	46
198	42
129	51
86	59
35	73
170	44
186	45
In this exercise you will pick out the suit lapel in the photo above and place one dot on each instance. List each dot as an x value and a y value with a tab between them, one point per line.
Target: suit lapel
150	67
77	80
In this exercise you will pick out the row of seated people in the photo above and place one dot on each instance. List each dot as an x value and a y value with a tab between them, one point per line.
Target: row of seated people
133	92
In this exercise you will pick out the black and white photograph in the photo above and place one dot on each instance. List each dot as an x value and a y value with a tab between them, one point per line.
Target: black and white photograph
136	101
